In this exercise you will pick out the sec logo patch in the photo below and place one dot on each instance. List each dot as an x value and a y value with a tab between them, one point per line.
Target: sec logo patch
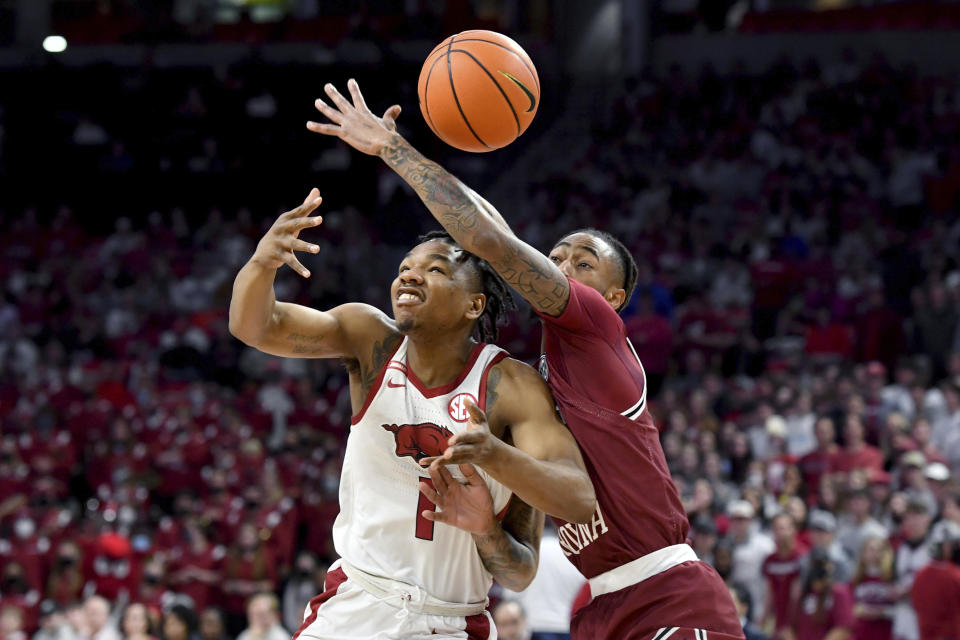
457	407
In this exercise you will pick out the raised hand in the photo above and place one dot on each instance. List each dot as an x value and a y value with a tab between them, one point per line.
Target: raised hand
354	123
476	444
276	248
466	506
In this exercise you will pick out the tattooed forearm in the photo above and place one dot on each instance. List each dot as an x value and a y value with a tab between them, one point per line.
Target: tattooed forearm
509	552
450	201
547	291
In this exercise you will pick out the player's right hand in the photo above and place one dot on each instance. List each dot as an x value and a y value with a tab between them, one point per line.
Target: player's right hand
276	248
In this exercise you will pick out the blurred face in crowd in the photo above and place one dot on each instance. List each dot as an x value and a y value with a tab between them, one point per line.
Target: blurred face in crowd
211	624
872	552
511	624
135	622
174	628
262	613
859	506
784	531
820	538
591	261
915	524
797	509
97	612
11	621
740	527
247	538
824	432
853	432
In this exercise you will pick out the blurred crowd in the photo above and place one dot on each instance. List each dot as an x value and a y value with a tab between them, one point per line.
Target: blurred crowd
797	315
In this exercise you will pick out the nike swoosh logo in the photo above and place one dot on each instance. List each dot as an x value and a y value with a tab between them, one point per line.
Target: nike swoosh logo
394	386
533	99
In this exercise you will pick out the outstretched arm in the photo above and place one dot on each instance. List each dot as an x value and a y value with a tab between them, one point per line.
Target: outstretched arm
509	550
292	330
470	219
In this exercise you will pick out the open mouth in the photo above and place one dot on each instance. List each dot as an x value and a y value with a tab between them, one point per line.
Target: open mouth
407	297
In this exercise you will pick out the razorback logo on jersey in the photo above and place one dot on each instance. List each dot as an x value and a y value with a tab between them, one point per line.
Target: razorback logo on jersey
419	441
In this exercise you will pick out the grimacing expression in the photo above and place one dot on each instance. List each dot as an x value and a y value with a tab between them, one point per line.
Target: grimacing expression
591	261
435	289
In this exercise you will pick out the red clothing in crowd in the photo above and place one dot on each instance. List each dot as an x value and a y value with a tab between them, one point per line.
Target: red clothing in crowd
782	572
873	608
814	466
936	597
866	457
837	612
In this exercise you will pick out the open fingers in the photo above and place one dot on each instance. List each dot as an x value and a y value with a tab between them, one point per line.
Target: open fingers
332	114
313	195
311	202
431	494
305	223
354	90
470	473
291	259
337	98
439	476
326	129
300	245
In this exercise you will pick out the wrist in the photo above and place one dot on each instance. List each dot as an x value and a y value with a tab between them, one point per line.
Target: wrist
389	147
492	528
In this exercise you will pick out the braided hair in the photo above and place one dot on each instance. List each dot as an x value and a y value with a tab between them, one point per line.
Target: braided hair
499	298
625	261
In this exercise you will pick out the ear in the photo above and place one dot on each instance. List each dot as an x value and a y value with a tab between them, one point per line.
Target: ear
615	296
478	302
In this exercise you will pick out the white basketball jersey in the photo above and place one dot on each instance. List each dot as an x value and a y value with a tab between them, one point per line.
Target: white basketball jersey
379	529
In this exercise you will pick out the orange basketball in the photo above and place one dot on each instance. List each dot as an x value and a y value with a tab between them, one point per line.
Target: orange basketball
478	90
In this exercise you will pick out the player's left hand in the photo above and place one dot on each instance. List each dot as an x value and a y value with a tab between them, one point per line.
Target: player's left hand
467	506
476	445
354	123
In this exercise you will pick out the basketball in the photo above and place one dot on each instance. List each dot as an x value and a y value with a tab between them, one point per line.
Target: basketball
478	91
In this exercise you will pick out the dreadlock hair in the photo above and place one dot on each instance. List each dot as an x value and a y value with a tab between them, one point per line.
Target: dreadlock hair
499	298
625	261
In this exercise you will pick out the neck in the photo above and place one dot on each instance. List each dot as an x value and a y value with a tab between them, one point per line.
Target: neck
786	547
438	359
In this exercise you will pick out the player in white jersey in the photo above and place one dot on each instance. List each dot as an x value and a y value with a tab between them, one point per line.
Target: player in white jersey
417	381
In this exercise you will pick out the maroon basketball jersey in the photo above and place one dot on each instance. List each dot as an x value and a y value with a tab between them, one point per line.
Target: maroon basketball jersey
599	386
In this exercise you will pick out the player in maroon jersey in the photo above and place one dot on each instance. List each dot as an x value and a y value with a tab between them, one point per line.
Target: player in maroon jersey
646	582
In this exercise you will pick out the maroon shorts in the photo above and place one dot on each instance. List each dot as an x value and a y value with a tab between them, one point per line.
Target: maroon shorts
682	603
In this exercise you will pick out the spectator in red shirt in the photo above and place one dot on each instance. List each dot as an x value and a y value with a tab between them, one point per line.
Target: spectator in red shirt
857	454
825	609
936	588
248	569
782	570
822	460
874	592
827	339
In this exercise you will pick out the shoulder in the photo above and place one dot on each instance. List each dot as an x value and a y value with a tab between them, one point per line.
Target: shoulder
364	323
514	388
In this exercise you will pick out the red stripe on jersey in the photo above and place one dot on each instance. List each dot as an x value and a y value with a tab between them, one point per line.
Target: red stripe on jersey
332	582
483	379
375	387
503	512
478	627
447	388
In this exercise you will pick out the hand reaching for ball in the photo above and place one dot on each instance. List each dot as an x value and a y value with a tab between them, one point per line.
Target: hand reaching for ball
354	123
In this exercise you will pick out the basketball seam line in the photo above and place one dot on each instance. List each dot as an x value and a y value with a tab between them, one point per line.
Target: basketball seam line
426	101
453	89
520	58
494	80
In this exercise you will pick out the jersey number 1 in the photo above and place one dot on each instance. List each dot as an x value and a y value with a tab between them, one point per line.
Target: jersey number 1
424	526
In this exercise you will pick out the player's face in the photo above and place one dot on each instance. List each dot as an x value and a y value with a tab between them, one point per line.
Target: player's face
434	290
590	261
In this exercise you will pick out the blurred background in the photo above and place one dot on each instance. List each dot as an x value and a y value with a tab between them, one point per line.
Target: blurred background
787	174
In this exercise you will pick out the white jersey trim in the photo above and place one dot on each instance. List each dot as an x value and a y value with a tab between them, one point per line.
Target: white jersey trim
636	410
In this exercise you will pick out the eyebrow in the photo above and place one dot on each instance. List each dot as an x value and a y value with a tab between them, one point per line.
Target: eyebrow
433	256
579	246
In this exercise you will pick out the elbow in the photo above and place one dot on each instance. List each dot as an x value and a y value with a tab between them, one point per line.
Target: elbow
584	509
519	580
241	333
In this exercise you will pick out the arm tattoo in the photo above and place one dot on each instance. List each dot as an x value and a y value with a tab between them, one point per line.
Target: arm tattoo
493	379
446	197
464	215
382	350
510	552
307	345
